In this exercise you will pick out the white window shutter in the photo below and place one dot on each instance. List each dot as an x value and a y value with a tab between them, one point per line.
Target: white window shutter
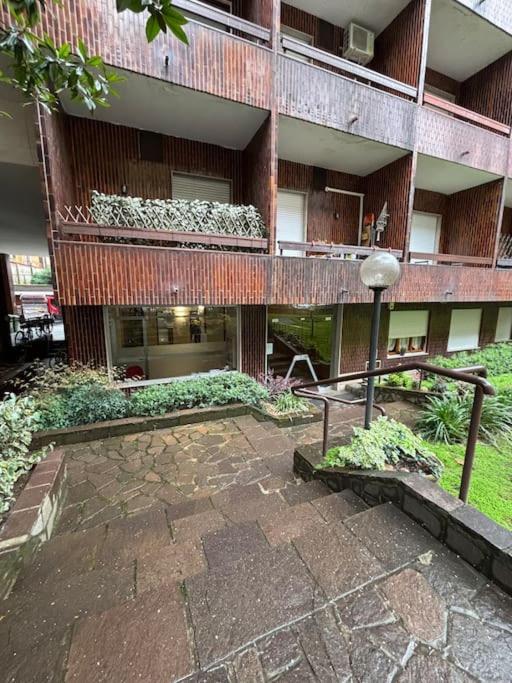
504	326
464	329
404	324
197	187
291	218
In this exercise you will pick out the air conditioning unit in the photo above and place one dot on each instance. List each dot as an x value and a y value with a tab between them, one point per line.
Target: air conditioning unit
358	44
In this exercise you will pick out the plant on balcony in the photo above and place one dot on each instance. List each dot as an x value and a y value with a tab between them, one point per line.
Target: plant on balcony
386	445
179	215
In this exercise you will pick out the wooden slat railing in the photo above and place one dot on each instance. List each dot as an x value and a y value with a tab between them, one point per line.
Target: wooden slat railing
455	259
163	236
230	21
372	77
333	250
466	114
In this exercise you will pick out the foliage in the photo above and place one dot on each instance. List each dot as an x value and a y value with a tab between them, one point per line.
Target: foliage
200	392
446	419
386	443
286	403
276	384
39	378
399	379
18	420
42	70
83	404
497	358
491	483
41	277
501	382
183	215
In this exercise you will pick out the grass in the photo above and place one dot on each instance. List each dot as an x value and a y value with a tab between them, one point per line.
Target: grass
312	330
500	382
491	484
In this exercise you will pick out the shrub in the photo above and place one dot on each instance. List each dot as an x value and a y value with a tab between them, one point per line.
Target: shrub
446	418
275	384
287	403
40	378
41	277
200	392
82	405
18	420
497	358
387	442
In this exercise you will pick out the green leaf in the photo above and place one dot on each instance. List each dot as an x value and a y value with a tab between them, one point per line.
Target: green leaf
179	33
152	28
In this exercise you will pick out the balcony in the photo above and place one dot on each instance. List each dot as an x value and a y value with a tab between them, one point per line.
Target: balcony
455	215
468	74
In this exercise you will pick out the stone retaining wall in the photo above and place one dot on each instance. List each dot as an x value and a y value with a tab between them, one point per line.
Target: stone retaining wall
480	541
386	394
32	519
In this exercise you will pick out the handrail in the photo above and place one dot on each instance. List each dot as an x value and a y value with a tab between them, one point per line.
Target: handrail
450	258
164	235
482	387
332	248
466	114
345	65
229	20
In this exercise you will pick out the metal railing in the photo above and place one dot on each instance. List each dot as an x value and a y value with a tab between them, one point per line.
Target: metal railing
332	250
466	114
225	19
427	258
474	375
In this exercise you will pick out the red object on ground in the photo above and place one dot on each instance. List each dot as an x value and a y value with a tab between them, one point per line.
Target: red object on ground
53	308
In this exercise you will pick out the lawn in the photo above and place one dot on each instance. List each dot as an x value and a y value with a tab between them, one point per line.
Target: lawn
491	484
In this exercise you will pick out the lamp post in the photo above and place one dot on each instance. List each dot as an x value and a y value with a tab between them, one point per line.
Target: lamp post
378	272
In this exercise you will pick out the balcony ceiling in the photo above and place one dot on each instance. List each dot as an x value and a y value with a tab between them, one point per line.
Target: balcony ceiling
22	222
373	14
461	43
151	104
438	175
307	143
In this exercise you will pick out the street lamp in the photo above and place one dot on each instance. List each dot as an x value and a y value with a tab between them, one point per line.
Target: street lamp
378	272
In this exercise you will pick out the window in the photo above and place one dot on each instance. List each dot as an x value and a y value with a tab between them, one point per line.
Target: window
504	326
464	329
425	230
185	186
223	5
407	332
291	219
301	37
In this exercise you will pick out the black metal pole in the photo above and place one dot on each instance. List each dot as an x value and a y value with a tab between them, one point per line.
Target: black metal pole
372	361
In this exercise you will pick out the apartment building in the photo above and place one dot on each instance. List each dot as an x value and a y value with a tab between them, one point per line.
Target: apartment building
321	115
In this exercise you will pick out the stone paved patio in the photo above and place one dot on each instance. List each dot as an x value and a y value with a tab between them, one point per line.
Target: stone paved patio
193	554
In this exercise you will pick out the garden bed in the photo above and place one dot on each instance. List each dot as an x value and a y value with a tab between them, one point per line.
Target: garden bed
132	425
388	394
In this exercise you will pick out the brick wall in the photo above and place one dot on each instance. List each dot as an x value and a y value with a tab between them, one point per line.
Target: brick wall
431	202
259	181
398	47
331	217
489	92
85	335
253	339
326	36
357	324
506	226
391	184
443	82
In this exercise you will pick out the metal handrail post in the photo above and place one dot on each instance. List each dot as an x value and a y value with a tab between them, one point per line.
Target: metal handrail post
469	457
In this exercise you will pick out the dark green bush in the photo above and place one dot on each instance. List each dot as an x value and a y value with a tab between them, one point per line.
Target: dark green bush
83	405
497	358
200	392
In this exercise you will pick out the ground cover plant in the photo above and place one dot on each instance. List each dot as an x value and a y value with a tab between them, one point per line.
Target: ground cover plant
388	444
280	400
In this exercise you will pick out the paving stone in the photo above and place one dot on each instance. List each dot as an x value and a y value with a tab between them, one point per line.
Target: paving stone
241	601
303	493
279	653
69	519
284	525
390	535
247	667
480	649
80	492
339	506
190	528
43	661
369	663
169	494
62	557
169	564
143	640
104	516
422	610
137	503
431	667
393	640
337	560
188	508
494	606
233	543
363	609
310	634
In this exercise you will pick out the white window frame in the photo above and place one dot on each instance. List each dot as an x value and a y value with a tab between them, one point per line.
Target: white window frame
203	177
505	311
302	37
439	218
424	350
306	205
467	347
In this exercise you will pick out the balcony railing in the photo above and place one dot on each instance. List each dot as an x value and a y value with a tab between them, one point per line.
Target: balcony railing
505	252
362	72
465	114
424	258
330	250
224	19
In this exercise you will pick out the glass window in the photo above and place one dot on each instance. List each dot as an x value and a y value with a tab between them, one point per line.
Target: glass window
407	332
158	342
